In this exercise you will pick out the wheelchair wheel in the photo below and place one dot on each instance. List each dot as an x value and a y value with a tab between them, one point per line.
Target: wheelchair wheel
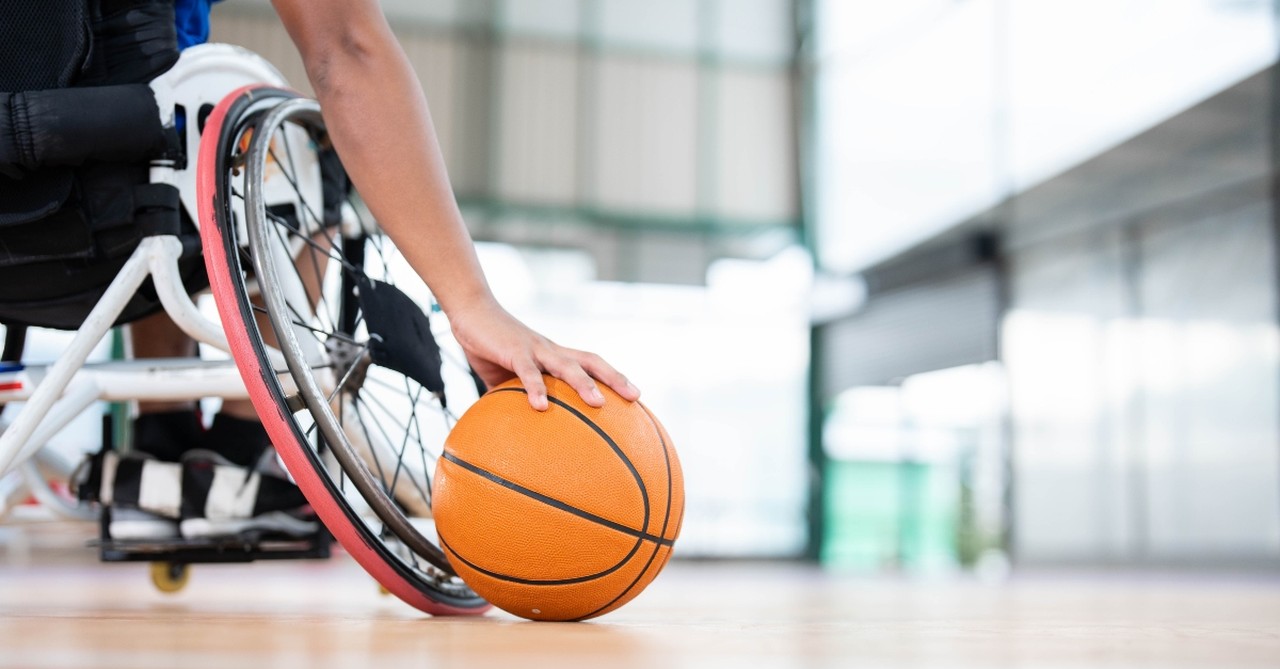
345	368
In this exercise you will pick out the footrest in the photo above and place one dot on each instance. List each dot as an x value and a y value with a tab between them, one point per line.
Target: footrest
244	547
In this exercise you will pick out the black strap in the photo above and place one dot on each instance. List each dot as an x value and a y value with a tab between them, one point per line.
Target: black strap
155	212
72	126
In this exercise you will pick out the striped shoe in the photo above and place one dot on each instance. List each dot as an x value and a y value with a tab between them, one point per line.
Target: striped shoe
203	496
221	499
116	482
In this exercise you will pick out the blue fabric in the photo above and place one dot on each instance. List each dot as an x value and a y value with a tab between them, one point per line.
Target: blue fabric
192	20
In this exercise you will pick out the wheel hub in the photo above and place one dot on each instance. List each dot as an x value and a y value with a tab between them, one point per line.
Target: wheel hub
351	362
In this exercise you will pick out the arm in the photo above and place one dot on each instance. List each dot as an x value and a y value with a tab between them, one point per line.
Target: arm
378	119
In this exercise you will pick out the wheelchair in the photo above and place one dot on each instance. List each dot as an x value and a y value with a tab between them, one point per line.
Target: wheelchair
321	318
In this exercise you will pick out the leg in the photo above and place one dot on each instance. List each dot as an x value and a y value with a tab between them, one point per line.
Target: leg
157	336
165	430
169	429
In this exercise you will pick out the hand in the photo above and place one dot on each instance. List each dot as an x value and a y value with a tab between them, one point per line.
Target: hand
500	347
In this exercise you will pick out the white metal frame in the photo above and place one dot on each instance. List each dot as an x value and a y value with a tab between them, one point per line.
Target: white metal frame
55	394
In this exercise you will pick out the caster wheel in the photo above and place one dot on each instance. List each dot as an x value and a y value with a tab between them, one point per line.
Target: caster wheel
170	576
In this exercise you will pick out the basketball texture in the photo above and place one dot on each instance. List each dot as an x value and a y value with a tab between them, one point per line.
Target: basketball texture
565	514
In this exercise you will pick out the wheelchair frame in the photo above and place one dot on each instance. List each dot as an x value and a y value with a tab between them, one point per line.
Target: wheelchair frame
208	83
56	393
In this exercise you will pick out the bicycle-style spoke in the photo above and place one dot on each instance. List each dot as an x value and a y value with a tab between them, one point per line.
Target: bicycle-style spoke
368	438
362	401
346	376
428	400
311	299
291	178
364	424
422	452
404	443
312	250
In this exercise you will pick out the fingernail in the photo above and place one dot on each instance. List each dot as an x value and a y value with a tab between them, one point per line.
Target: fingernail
596	395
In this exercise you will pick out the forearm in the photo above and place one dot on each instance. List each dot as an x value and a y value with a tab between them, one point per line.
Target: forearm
379	122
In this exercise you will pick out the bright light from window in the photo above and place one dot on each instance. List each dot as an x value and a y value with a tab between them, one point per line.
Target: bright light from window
928	112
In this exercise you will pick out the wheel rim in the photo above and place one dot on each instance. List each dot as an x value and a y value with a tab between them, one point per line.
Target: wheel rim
421	559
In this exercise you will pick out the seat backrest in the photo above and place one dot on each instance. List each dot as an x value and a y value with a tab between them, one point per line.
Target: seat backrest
43	44
74	169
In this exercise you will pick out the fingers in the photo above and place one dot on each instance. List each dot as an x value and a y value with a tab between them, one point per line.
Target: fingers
605	373
531	378
531	355
569	370
581	370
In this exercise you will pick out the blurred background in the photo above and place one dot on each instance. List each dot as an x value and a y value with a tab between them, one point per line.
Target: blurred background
917	286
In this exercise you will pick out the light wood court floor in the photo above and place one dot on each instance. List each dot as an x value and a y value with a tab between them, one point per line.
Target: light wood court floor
75	613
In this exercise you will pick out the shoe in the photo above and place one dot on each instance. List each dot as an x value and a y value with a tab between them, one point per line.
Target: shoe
222	499
158	440
275	522
143	493
135	524
205	496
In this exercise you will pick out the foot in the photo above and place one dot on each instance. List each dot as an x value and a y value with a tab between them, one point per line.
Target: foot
220	498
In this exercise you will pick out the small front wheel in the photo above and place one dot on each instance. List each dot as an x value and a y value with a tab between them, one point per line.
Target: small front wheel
170	577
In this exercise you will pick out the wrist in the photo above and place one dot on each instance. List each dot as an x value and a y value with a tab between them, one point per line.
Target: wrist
468	314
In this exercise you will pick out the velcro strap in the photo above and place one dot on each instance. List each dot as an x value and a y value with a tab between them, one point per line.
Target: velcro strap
150	485
156	209
161	489
232	494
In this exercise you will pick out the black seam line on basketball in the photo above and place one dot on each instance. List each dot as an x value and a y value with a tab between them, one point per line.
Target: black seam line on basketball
626	559
639	482
635	474
528	581
666	456
585	515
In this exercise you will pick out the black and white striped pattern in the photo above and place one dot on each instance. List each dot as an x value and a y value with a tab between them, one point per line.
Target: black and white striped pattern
201	486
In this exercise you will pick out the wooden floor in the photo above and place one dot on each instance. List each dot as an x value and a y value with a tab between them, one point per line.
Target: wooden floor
62	610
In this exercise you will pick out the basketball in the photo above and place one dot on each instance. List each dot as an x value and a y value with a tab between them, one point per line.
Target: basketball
565	514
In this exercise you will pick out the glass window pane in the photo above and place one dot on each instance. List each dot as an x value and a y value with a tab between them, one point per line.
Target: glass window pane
667	25
754	30
646	136
545	18
906	139
754	146
537	147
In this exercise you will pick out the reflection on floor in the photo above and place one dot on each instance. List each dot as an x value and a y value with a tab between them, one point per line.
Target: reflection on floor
60	609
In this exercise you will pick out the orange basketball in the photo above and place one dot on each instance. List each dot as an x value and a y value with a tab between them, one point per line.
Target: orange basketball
565	514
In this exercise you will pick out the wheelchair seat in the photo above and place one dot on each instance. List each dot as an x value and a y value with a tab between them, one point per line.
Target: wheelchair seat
79	131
